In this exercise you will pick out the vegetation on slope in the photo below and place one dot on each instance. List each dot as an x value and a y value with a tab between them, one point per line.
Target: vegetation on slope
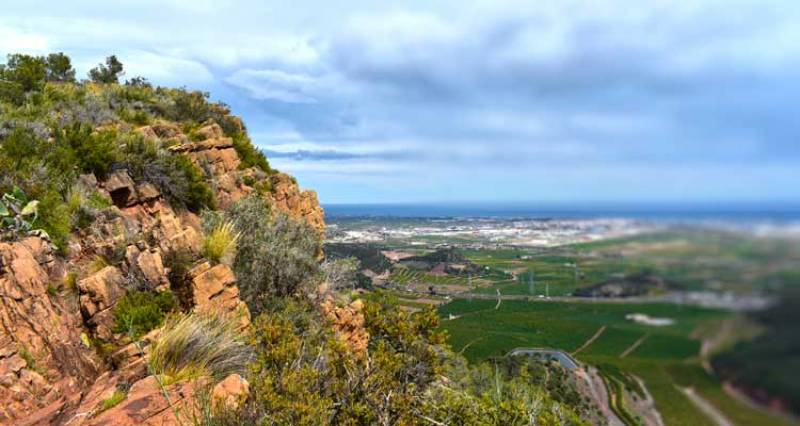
766	366
54	128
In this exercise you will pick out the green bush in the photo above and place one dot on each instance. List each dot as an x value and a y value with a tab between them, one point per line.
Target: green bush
249	155
276	255
180	181
90	152
139	312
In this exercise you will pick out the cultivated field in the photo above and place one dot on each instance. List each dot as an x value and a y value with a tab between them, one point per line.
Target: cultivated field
665	358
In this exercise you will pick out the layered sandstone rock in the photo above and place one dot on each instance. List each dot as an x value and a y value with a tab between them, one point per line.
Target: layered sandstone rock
50	370
42	357
99	294
348	322
214	291
287	197
145	404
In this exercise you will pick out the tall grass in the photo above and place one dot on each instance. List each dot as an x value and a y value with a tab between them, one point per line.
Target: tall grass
220	244
199	345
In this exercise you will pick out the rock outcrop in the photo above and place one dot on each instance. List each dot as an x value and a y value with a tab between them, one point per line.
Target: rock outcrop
286	196
348	322
57	312
214	290
216	154
99	294
42	357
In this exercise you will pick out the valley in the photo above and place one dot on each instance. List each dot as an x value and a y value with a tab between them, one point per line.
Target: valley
642	306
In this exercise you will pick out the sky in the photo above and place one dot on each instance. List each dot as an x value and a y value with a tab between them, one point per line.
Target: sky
485	101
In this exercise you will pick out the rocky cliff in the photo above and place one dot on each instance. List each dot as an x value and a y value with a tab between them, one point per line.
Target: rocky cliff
57	311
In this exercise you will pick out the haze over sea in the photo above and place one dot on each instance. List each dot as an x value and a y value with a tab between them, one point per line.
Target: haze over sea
741	212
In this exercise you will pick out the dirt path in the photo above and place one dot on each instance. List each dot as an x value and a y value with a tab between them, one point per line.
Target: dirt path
635	345
598	393
591	340
709	410
710	345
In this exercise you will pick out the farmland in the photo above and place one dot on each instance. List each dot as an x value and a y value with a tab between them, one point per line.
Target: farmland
666	359
593	283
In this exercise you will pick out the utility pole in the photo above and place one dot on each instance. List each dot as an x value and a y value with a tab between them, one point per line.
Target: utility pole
547	290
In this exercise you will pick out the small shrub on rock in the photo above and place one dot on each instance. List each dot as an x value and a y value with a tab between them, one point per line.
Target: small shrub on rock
219	245
139	312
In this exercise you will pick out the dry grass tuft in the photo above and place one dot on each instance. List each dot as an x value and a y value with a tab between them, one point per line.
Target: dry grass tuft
220	245
199	345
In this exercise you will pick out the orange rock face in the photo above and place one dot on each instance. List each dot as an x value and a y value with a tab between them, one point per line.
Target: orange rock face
214	290
348	322
231	391
50	368
42	358
287	197
145	404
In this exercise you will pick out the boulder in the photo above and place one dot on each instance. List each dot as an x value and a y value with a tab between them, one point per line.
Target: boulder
101	290
231	392
121	188
348	323
210	130
147	192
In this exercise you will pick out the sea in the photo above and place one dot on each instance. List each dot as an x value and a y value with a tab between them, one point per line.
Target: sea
744	212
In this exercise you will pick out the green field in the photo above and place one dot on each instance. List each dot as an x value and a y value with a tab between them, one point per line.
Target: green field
410	276
691	260
666	358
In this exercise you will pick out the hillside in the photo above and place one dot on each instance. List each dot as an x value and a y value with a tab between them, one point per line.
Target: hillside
154	269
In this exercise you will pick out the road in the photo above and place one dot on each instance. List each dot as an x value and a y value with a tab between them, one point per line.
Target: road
562	357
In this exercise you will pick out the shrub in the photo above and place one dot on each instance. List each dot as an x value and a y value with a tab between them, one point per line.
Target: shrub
189	106
90	152
139	312
220	243
249	155
276	254
341	273
199	345
113	400
83	205
71	281
180	181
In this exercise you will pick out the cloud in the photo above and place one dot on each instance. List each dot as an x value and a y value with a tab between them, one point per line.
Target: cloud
446	99
166	69
272	84
15	40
